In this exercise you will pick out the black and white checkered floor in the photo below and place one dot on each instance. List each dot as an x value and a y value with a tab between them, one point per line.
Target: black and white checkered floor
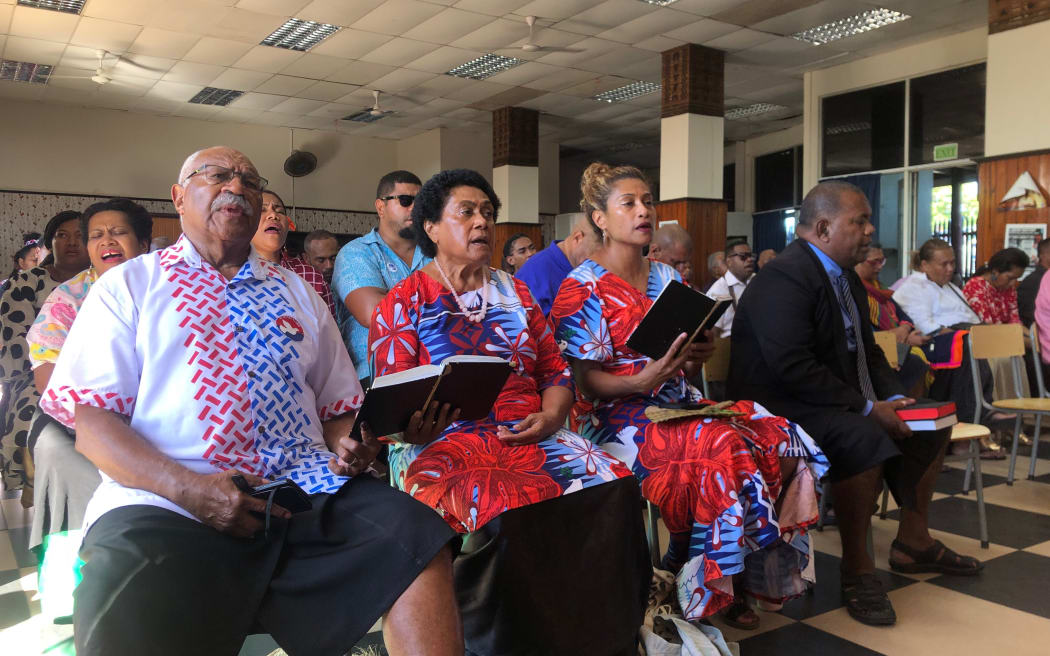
1005	610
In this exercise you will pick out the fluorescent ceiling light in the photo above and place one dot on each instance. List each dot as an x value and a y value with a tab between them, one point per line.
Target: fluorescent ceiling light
298	34
213	96
363	116
64	6
659	3
16	71
860	23
748	111
627	91
485	66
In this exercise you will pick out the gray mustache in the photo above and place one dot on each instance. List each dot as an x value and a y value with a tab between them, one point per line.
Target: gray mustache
228	198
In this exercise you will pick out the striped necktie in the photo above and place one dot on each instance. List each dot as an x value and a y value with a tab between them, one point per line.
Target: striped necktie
863	376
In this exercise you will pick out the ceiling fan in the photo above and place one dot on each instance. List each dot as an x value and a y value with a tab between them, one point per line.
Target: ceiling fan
530	44
101	76
376	110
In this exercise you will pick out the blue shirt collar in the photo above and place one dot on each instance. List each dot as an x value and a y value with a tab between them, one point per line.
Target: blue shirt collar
833	269
373	237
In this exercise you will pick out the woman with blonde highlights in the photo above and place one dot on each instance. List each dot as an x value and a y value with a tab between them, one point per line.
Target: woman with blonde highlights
732	490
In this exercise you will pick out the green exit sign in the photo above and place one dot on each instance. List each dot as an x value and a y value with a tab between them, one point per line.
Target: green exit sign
944	152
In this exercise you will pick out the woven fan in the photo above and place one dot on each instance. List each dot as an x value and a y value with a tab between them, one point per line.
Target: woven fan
656	414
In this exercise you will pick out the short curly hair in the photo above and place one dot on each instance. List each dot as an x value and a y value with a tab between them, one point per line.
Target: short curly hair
433	195
138	217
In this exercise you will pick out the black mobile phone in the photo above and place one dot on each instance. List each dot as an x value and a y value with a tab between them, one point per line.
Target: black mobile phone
286	494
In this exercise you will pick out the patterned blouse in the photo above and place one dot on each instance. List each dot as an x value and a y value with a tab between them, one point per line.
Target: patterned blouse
48	333
991	304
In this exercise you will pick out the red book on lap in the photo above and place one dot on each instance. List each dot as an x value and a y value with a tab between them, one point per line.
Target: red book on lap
929	410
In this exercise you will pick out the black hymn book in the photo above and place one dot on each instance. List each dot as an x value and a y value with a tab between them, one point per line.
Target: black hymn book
678	309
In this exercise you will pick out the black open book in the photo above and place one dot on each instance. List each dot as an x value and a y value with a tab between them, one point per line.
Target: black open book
468	382
678	309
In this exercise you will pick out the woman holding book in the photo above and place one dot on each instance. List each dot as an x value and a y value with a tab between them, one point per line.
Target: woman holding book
735	491
552	521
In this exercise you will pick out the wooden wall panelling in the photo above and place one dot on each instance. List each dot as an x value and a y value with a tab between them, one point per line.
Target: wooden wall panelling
693	81
705	220
502	231
1007	14
515	137
167	226
995	176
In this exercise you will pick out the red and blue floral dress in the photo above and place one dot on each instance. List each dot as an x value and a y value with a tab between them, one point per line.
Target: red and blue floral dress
468	474
718	480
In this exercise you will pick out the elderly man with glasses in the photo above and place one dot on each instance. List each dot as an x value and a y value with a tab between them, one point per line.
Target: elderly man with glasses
740	268
367	267
194	375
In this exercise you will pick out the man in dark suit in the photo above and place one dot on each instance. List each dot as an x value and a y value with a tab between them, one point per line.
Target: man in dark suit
801	348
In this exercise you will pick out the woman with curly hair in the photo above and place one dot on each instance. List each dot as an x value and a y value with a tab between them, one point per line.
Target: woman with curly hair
733	491
552	522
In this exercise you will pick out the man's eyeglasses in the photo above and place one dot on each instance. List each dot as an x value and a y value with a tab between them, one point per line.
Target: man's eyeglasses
405	199
876	261
742	256
214	174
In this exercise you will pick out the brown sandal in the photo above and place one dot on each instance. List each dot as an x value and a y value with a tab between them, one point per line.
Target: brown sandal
937	558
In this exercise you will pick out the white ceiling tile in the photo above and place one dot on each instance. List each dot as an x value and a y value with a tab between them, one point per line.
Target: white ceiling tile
164	43
605	16
33	50
549	102
448	26
221	52
136	12
358	98
396	17
243	25
85	58
137	65
195	16
122	103
284	8
701	31
705	7
350	44
126	85
316	67
272	118
297	106
582	51
649	70
398	52
284	85
646	26
443	85
740	40
155	105
555	10
21	91
562	79
67	77
326	90
359	72
235	115
193	110
480	90
5	17
311	123
497	34
174	90
239	79
334	110
43	24
337	12
658	43
104	34
491	7
267	59
442	105
443	59
595	86
549	40
525	73
400	80
193	73
257	101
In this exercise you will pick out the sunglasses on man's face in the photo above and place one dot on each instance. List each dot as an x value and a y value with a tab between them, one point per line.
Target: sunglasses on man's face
405	199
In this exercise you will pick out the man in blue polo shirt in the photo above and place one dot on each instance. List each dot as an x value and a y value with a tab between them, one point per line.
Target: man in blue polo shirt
367	267
544	271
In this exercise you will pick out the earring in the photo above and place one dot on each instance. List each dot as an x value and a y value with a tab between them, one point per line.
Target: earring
605	235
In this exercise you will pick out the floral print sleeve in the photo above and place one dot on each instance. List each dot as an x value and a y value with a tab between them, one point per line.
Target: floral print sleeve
579	324
393	343
551	368
51	327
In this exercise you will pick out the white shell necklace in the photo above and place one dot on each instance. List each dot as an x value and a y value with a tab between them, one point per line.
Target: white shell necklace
477	316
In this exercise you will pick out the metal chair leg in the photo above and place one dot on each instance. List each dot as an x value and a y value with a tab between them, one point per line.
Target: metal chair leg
653	533
1035	447
1013	451
975	458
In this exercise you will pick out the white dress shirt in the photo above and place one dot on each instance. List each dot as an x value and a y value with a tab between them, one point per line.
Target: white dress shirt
931	306
215	374
728	286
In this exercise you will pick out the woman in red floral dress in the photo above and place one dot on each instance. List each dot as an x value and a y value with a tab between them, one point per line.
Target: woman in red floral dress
992	291
731	491
553	521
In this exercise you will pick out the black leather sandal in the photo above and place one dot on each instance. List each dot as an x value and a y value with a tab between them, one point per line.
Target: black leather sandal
865	598
937	558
